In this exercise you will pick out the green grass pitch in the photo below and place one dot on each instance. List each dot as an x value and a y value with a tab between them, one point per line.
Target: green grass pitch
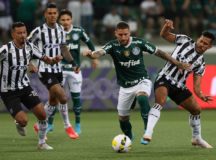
171	140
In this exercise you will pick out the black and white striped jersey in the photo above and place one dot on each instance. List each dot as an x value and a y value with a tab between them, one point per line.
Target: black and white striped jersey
184	52
14	63
49	40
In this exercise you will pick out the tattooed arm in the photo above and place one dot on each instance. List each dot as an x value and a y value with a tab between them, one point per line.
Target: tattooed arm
169	58
94	54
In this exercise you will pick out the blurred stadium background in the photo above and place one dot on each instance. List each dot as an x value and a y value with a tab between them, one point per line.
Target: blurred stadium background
99	17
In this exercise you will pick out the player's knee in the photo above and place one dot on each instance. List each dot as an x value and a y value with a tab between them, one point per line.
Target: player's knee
22	121
63	99
161	101
123	118
195	111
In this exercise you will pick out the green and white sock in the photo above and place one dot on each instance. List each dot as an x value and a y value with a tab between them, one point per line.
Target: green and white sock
126	128
144	108
76	106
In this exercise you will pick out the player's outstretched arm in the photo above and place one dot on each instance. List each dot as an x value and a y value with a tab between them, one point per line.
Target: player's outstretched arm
68	57
94	54
198	91
166	56
165	31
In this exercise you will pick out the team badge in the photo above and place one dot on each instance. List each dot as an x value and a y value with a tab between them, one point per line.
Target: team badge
75	36
126	53
136	50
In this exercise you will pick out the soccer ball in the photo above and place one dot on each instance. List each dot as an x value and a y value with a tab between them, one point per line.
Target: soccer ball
121	143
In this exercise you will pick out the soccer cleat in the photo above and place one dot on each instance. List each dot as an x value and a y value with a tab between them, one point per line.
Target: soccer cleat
200	143
50	128
146	138
78	128
21	130
144	141
71	133
44	146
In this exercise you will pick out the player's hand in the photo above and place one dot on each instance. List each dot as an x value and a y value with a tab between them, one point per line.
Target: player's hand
168	24
32	68
76	69
184	66
57	59
95	63
87	53
206	98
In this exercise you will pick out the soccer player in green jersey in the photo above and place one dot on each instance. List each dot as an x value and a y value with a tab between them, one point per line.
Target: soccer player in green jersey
74	36
127	54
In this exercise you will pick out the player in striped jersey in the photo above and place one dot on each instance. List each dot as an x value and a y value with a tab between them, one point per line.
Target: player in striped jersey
50	38
74	36
171	81
14	82
127	55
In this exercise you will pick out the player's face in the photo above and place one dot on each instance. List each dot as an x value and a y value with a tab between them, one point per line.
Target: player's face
66	21
51	15
203	43
122	36
19	35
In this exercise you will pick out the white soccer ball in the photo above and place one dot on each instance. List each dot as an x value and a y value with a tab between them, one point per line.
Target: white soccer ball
121	143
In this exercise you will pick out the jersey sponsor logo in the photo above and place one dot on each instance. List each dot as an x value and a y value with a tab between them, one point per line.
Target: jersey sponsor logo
130	63
17	68
136	50
51	46
73	46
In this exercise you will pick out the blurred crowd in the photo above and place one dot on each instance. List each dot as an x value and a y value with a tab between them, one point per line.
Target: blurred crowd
99	17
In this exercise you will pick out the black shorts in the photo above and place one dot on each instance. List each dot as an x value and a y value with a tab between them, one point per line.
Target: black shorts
13	99
50	79
178	95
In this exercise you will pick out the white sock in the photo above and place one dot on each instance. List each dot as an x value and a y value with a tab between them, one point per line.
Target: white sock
194	121
42	125
49	109
153	117
63	109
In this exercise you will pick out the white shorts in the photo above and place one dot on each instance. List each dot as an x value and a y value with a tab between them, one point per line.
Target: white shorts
127	95
74	80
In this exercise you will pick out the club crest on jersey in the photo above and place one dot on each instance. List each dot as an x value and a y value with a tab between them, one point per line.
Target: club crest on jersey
126	53
75	36
136	50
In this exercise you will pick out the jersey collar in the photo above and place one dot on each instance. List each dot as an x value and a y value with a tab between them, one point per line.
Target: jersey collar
71	28
129	43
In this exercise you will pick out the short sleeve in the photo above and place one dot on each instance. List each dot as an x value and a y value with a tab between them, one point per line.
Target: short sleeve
3	52
149	47
107	48
180	39
34	35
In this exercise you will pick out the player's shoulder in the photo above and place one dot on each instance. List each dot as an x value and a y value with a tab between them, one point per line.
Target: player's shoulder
78	29
184	37
138	40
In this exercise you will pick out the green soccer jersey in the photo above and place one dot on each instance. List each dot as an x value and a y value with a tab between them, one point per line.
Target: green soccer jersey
129	61
74	37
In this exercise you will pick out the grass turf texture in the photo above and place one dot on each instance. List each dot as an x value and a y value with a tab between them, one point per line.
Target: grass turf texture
171	140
